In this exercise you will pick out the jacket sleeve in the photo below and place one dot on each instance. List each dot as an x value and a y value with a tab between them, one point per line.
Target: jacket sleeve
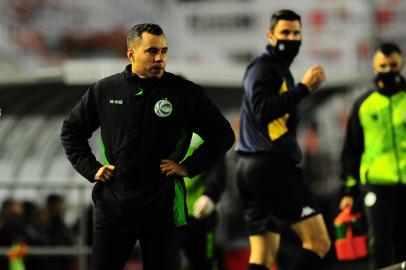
262	84
76	130
352	152
216	180
206	120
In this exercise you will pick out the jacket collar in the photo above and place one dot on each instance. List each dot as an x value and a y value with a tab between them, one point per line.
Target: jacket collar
135	79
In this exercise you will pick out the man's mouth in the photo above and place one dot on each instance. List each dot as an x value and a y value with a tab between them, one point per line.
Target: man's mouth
157	68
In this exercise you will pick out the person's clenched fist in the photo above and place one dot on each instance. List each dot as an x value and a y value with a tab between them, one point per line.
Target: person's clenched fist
203	207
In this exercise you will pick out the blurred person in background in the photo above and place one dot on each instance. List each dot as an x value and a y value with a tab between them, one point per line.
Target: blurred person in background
87	233
147	117
197	240
11	222
36	234
270	183
89	219
58	233
12	229
374	157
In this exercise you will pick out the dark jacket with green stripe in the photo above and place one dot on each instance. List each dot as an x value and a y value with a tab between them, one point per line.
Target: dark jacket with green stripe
374	149
138	195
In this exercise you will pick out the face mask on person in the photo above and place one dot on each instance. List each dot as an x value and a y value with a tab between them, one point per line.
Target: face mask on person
287	50
388	81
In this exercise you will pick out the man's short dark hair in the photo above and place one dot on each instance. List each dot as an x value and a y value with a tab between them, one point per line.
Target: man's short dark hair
136	32
284	14
389	48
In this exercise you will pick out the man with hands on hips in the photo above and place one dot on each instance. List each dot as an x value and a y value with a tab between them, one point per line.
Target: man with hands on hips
146	118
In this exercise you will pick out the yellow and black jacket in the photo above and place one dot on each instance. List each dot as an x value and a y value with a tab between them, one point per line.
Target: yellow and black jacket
374	149
268	117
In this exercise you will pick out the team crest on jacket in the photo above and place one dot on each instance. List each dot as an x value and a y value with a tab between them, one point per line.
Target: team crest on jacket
163	108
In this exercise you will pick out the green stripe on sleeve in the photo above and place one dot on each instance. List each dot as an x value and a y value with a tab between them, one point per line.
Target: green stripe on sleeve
105	161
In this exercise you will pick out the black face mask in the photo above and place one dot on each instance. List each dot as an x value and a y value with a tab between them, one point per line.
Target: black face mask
287	50
389	82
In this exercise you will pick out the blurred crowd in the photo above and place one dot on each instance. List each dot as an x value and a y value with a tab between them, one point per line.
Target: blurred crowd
34	225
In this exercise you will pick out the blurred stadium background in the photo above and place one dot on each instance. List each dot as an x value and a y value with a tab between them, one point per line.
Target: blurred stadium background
52	50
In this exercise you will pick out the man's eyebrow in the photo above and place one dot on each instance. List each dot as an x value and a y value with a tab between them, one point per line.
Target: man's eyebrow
286	30
156	48
151	48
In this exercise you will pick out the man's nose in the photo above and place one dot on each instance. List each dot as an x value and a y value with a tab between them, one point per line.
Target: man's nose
159	57
292	36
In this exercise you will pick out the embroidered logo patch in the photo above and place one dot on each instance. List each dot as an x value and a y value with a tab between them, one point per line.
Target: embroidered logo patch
163	108
116	101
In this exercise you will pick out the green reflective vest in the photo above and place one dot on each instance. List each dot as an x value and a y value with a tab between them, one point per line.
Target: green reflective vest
383	120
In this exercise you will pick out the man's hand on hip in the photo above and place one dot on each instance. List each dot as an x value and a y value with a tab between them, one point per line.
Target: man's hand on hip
104	173
170	168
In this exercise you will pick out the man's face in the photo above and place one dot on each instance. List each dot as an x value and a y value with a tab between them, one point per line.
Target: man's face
383	63
149	56
285	30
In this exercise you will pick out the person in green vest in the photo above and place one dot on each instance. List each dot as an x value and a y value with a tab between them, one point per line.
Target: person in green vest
374	158
202	193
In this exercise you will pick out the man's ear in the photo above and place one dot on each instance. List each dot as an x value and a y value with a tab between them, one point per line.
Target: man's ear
271	38
130	54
